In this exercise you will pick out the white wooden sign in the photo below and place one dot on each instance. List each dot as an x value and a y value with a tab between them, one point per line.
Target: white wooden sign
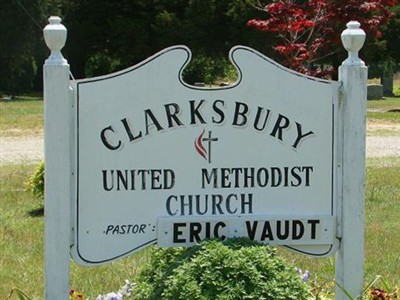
139	157
153	152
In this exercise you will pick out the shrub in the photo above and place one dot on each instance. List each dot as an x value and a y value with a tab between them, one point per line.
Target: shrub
36	182
235	269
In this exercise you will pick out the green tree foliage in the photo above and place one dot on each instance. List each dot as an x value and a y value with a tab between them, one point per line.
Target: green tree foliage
22	48
17	64
385	55
106	36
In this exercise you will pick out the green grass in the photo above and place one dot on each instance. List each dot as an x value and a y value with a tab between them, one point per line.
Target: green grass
21	232
21	117
382	219
25	115
21	245
387	110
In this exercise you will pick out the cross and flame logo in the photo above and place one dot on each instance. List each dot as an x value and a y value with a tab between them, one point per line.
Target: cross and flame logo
198	145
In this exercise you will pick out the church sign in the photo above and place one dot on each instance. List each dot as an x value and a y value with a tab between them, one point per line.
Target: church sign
160	161
140	157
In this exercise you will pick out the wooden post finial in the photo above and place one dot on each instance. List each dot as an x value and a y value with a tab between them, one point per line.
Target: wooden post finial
353	39
55	35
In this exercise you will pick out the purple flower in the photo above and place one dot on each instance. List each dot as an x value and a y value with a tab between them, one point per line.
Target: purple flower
110	296
305	276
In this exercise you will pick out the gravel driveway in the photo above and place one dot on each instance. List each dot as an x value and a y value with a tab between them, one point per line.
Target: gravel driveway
27	149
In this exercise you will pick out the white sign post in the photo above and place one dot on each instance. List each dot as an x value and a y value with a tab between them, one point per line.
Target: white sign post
58	138
144	158
350	257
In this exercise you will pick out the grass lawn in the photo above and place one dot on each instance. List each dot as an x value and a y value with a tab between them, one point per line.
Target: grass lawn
21	117
21	224
21	243
386	111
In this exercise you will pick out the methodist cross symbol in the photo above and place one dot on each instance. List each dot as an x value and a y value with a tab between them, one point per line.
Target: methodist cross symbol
198	144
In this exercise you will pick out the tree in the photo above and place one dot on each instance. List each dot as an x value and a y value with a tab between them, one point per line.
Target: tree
17	64
308	32
105	36
22	48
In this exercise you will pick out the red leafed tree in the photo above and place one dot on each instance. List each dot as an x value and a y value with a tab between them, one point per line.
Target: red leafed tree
308	32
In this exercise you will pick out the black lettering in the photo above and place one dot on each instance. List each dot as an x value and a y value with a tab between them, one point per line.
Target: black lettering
241	109
172	109
116	230
105	140
208	178
313	228
276	176
168	205
198	202
279	234
142	228
122	178
248	203
262	177
155	179
216	230
300	135
129	131
281	123
267	232
297	229
195	229
236	172
109	228
177	232
105	185
194	112
186	204
169	179
219	112
307	169
143	173
225	183
251	229
228	203
148	114
248	177
296	176
216	204
258	116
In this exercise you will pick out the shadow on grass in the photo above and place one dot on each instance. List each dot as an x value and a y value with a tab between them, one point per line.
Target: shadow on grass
37	212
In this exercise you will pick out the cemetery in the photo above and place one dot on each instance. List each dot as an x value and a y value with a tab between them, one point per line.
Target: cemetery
266	186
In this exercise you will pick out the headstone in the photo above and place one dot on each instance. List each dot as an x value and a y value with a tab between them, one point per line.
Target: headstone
374	92
387	83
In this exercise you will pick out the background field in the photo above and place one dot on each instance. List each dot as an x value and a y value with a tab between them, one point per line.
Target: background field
21	221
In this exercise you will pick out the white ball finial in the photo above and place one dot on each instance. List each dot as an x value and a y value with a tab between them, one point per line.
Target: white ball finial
55	35
353	39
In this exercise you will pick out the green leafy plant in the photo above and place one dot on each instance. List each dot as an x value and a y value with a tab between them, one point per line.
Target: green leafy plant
20	294
235	269
36	182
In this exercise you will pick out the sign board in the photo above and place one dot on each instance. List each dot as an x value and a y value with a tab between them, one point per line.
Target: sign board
160	161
